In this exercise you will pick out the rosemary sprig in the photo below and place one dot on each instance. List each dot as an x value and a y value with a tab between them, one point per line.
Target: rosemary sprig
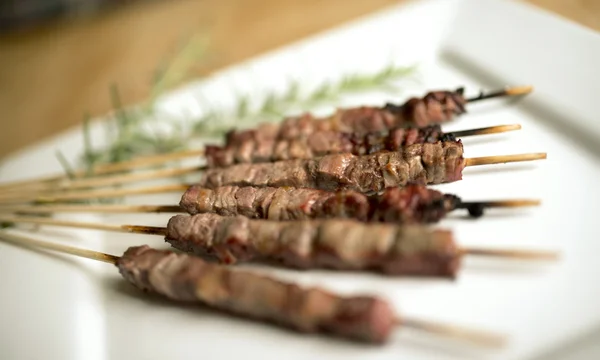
65	164
127	133
177	69
130	132
274	106
90	157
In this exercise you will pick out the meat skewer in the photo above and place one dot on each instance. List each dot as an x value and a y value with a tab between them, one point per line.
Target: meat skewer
334	142
217	156
419	164
367	174
434	108
334	244
437	163
189	279
412	204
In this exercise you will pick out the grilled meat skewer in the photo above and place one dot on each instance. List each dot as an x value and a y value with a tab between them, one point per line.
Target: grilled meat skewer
419	164
434	108
412	204
324	143
189	279
336	244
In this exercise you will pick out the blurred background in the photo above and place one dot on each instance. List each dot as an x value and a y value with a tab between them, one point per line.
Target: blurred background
58	58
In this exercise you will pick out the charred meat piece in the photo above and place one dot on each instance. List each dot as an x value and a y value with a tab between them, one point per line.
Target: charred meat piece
434	108
256	150
335	244
415	164
190	279
409	205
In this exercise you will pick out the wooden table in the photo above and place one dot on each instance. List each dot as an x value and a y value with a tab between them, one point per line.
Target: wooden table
51	76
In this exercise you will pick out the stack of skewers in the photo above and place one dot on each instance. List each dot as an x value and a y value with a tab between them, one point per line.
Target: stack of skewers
348	192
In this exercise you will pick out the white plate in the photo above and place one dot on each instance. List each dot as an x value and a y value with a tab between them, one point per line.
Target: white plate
62	308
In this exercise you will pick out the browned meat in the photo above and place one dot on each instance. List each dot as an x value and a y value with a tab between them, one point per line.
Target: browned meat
409	205
336	244
321	143
435	107
419	164
275	203
413	204
187	278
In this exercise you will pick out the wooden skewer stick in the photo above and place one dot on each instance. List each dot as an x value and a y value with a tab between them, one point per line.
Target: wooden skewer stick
509	91
97	194
131	177
517	254
477	208
500	159
486	130
143	161
83	225
136	163
111	193
477	337
30	184
83	183
500	203
157	230
34	243
51	189
471	335
107	209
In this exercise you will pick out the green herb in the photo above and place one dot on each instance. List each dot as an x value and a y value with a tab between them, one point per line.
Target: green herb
129	132
177	69
274	106
89	156
65	164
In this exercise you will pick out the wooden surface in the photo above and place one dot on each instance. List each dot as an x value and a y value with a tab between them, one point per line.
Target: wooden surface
51	76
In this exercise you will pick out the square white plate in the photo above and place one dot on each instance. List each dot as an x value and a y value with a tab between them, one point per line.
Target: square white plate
55	307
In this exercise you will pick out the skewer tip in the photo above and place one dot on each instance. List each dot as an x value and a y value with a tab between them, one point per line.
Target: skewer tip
148	230
502	159
517	254
477	208
473	336
32	243
487	130
507	91
519	90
